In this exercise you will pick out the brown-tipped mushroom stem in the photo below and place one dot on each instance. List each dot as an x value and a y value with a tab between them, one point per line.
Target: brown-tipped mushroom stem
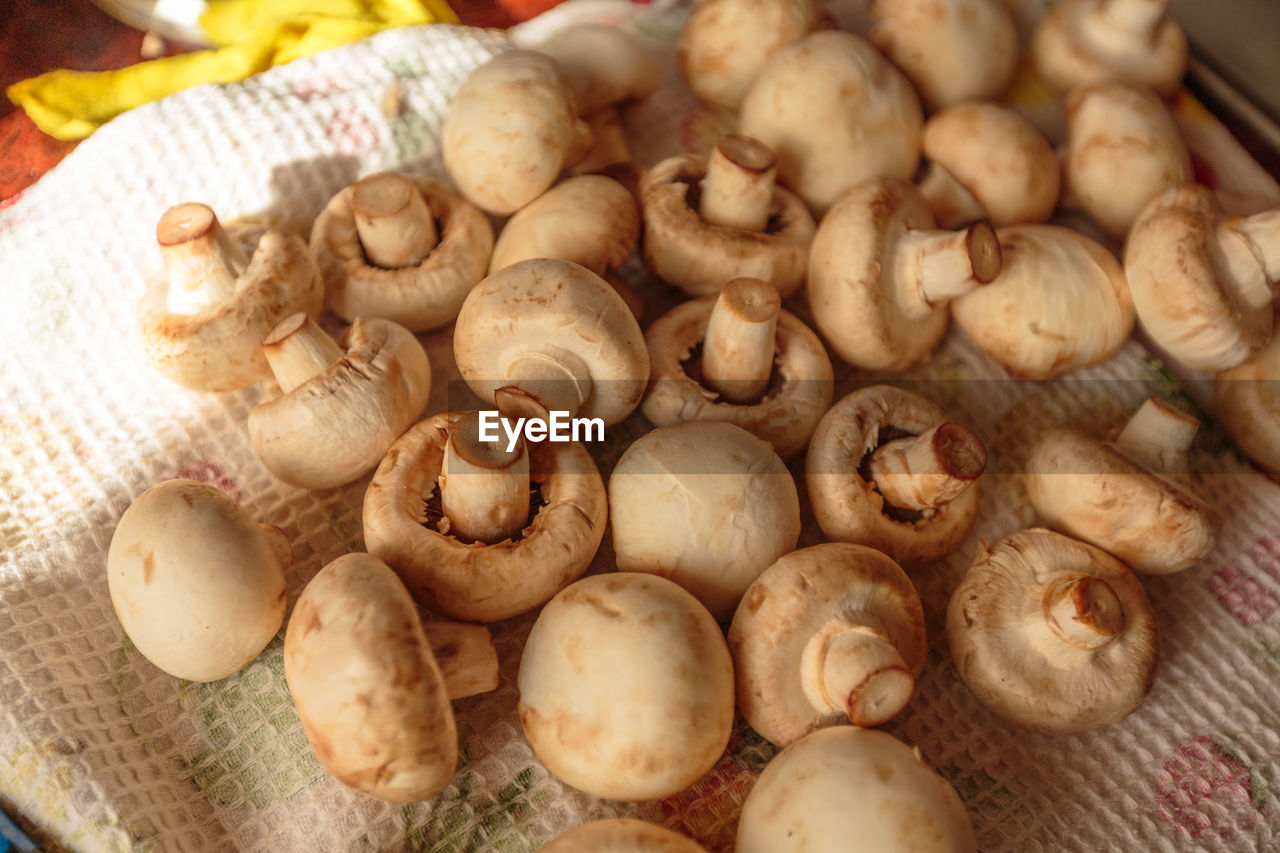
484	487
928	470
202	260
297	349
560	382
1084	611
947	197
466	655
739	347
1134	16
395	225
1262	232
1157	437
949	264
737	191
854	669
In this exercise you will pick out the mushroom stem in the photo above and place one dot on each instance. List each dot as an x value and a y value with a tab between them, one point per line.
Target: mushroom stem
466	655
853	668
952	205
395	225
737	191
1158	437
1262	234
928	470
738	349
560	382
297	349
609	147
484	486
1083	611
202	259
1134	16
946	264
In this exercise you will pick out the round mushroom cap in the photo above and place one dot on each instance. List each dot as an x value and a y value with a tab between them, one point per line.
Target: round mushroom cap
1067	49
620	835
1186	292
368	690
726	42
473	581
999	158
1015	662
420	297
952	50
1249	405
564	313
798	395
684	250
794	600
336	426
591	220
219	348
706	504
605	64
197	584
835	113
851	509
626	687
843	789
1060	303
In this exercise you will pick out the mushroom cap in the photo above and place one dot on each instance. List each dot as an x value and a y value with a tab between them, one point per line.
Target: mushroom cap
1249	405
1124	149
620	835
421	297
835	113
1093	492
197	584
337	425
510	130
626	687
474	581
219	348
591	220
1060	303
999	157
1029	675
860	308
554	308
698	257
367	688
706	504
1066	53
726	42
843	789
951	50
1184	290
792	601
605	64
850	509
785	417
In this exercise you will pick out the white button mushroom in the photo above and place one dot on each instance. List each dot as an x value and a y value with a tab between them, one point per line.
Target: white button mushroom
626	687
757	366
339	406
706	504
828	634
835	112
985	161
1060	303
952	50
480	553
1052	633
224	291
888	469
382	255
1123	150
620	835
844	789
605	64
1202	283
1249	405
1085	41
1125	496
197	584
709	221
881	274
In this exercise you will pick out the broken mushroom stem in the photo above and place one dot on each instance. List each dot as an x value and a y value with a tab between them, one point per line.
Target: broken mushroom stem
202	259
1158	437
948	264
851	667
739	347
466	655
737	191
395	225
484	486
925	471
1083	611
297	349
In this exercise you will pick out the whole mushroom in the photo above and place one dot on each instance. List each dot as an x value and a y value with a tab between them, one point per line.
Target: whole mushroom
224	291
620	835
1249	404
1052	633
339	405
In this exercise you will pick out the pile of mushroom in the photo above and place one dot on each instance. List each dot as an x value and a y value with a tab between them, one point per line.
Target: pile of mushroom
1249	404
1086	41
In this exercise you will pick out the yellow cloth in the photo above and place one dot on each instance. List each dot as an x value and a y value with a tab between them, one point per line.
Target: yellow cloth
248	36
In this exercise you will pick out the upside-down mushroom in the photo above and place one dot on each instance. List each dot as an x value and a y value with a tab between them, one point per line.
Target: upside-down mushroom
1249	404
620	835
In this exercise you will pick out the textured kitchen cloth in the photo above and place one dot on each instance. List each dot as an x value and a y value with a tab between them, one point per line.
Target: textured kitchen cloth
107	753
